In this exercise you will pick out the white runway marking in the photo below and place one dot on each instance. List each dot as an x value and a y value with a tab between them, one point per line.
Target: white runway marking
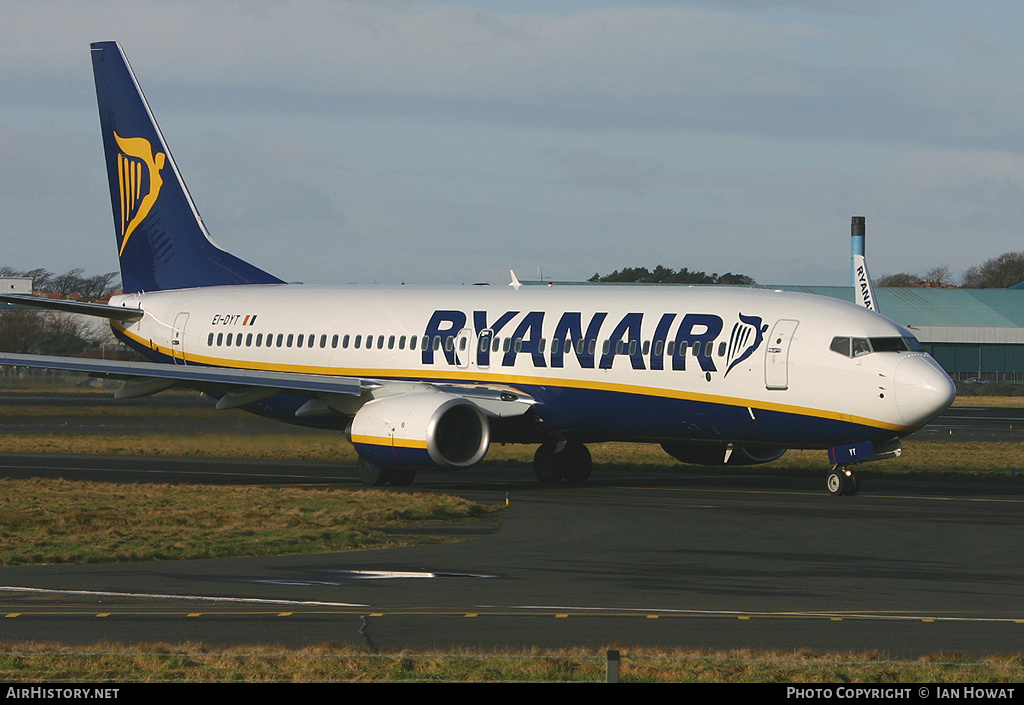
348	576
391	574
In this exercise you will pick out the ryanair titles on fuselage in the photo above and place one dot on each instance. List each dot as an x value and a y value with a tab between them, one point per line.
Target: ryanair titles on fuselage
589	340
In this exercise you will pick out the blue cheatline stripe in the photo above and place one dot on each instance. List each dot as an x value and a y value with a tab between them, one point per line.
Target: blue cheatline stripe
617	413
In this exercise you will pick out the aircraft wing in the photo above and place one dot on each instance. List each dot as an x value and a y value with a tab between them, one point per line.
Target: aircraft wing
281	381
243	386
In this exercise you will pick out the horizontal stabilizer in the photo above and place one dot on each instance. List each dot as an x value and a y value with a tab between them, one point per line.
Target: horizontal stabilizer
80	307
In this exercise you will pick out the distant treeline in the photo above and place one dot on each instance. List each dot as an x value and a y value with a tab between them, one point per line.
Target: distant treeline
70	283
667	275
1000	272
24	330
29	330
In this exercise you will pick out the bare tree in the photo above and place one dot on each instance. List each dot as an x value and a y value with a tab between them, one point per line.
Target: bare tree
44	333
997	273
938	276
901	279
100	286
70	282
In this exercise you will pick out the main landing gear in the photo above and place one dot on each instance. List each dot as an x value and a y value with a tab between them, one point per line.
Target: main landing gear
841	481
562	460
376	475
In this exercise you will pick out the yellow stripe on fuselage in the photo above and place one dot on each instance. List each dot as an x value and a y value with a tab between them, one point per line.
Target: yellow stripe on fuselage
512	380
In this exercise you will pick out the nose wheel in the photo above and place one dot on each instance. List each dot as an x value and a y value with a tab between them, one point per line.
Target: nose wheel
842	482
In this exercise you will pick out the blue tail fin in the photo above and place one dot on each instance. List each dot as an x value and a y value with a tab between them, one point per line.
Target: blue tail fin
161	240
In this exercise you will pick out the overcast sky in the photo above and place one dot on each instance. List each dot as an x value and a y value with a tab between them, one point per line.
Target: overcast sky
448	142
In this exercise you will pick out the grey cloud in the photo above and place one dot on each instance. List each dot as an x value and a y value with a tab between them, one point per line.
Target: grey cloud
660	67
593	170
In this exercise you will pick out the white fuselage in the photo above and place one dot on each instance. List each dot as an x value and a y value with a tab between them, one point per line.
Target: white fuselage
608	362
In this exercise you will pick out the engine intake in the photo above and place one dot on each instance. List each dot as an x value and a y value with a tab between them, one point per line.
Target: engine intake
425	428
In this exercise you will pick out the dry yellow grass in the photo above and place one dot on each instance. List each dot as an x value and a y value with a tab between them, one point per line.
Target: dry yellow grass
220	445
997	460
197	663
62	521
1006	402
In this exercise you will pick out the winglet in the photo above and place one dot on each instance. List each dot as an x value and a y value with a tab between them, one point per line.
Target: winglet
515	283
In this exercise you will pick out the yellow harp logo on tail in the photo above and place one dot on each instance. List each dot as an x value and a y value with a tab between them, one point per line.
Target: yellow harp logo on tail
138	173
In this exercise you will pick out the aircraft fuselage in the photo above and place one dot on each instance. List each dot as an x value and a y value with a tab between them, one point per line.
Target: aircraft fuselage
601	363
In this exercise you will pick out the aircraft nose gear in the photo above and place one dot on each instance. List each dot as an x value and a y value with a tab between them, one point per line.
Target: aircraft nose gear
841	481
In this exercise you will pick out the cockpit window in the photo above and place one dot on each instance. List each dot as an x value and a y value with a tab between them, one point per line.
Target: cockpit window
890	345
855	347
841	345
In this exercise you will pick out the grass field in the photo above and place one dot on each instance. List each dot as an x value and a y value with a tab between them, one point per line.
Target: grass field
105	663
61	521
1008	402
1003	462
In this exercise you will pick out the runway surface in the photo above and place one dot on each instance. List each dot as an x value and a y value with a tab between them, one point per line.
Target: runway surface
696	561
975	423
682	559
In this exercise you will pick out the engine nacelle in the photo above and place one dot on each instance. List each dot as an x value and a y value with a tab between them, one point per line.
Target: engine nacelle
423	428
705	454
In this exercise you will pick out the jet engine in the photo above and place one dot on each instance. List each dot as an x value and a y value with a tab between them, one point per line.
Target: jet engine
722	454
422	428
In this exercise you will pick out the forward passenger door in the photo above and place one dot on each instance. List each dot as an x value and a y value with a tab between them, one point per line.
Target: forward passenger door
776	357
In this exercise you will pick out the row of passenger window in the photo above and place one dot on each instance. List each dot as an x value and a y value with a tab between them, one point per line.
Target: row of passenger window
303	340
412	342
258	340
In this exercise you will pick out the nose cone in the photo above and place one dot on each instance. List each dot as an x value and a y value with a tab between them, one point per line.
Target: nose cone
923	390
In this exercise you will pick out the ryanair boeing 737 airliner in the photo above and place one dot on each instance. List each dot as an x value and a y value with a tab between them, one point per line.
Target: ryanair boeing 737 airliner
433	376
